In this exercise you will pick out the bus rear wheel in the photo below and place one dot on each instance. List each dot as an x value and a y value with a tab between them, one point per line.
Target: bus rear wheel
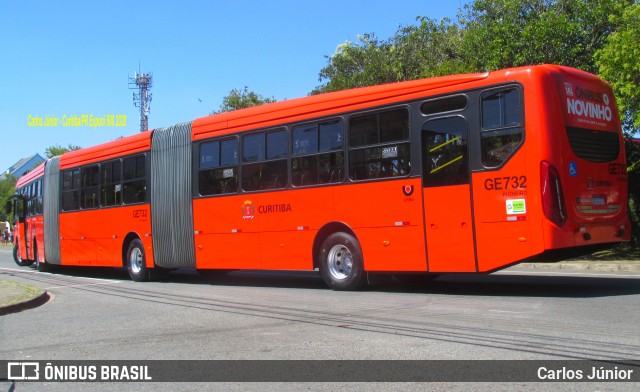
136	262
341	263
18	259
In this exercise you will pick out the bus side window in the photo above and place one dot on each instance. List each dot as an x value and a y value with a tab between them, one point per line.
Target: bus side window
134	180
111	190
30	199
502	130
71	190
379	145
318	156
264	157
218	167
39	200
90	178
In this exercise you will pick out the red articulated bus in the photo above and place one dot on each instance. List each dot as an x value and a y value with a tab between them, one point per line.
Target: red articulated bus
464	173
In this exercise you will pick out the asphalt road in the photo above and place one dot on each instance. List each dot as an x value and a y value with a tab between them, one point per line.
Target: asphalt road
99	314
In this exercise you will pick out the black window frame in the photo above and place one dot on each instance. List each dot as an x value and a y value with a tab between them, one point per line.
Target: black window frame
502	133
221	177
380	158
90	187
136	180
323	163
73	191
111	183
70	192
444	105
265	171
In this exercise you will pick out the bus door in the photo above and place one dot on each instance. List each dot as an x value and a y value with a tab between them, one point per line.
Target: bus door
501	217
447	195
20	219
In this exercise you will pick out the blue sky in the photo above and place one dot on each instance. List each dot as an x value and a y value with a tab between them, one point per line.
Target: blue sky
66	58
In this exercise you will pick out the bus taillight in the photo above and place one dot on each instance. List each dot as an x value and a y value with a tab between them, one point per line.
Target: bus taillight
552	195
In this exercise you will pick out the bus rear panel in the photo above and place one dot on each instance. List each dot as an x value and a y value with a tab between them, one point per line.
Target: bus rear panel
584	173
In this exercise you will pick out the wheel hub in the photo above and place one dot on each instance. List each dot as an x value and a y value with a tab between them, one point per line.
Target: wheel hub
340	262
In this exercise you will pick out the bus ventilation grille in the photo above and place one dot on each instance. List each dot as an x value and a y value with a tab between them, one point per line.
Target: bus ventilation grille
594	146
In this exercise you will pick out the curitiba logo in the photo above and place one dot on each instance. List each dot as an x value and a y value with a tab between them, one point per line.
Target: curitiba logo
248	210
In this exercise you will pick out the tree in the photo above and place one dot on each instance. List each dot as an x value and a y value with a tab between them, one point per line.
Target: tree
240	99
357	65
431	48
617	62
488	35
7	188
507	33
57	149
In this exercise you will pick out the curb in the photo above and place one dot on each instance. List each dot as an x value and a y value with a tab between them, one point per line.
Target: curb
582	266
40	299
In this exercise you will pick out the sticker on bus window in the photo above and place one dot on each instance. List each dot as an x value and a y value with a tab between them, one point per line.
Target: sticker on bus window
516	206
390	152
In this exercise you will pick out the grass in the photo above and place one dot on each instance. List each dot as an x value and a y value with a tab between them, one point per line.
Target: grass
14	292
620	252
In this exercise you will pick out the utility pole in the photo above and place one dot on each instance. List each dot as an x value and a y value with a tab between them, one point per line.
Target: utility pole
143	83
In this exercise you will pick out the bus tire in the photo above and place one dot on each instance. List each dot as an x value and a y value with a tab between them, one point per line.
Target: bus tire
18	259
341	263
136	262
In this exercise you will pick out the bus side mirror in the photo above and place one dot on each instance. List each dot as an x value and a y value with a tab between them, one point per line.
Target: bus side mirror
8	206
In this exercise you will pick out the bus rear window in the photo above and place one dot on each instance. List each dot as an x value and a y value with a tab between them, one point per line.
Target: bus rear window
594	146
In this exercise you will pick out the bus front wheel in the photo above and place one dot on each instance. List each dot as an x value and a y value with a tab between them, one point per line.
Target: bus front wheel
18	259
341	263
136	262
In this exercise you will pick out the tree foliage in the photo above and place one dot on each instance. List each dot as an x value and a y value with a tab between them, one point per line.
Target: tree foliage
488	35
7	187
508	33
617	62
430	48
57	149
240	99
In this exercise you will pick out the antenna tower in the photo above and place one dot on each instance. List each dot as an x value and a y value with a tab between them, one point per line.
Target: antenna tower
143	83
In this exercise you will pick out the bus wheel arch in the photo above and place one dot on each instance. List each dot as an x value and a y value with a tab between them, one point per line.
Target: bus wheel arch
338	256
324	232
